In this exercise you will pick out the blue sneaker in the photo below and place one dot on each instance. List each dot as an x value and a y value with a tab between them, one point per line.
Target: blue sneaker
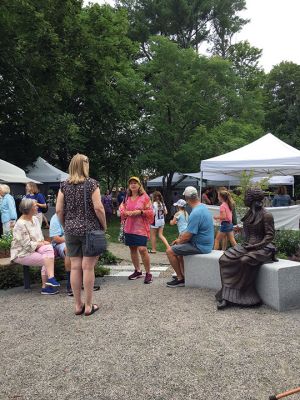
52	282
49	290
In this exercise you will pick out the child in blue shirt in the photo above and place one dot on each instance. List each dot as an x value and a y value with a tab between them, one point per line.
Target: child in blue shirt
181	218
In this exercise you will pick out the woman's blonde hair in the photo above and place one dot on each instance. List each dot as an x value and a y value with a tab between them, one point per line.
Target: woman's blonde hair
78	169
33	187
141	190
226	196
5	188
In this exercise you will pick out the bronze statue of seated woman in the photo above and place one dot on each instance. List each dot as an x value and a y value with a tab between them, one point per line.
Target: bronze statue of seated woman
240	264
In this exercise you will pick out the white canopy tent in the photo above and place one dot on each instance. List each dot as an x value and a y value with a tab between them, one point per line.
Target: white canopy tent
45	172
267	155
9	173
213	179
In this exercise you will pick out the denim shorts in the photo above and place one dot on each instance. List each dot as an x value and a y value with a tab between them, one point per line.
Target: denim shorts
185	249
132	240
59	250
75	245
226	227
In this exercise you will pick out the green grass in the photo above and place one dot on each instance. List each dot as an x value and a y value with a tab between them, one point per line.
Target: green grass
170	232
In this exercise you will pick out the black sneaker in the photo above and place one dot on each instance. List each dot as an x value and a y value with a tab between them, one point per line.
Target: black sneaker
176	283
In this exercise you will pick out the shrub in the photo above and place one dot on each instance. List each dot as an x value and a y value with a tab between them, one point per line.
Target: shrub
287	242
5	242
12	275
108	258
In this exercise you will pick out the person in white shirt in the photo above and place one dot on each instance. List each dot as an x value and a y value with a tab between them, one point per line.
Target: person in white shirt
157	227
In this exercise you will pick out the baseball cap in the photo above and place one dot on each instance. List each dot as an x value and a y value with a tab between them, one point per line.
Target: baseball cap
134	178
180	203
190	191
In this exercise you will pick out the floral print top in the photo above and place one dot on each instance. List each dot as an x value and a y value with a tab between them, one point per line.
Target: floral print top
76	222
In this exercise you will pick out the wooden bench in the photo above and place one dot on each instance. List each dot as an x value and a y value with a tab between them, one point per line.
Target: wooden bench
278	283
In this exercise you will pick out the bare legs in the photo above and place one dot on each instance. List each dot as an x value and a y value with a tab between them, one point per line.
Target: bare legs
222	236
176	263
142	250
153	234
88	265
153	239
85	265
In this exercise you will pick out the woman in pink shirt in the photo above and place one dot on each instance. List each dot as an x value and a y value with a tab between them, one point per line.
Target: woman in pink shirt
137	212
225	218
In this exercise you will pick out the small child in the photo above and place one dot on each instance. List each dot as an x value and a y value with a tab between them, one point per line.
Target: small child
225	217
181	217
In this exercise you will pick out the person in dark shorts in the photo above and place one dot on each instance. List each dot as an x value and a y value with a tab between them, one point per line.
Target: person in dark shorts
70	209
198	237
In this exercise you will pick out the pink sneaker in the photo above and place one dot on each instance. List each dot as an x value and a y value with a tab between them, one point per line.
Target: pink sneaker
148	278
135	275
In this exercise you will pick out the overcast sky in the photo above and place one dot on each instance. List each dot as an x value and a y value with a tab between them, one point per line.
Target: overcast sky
274	28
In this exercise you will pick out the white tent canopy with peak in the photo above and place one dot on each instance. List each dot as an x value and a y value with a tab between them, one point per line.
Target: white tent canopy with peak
267	155
45	172
9	173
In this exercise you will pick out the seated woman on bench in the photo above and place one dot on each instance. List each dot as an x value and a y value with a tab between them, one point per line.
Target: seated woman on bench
239	265
29	247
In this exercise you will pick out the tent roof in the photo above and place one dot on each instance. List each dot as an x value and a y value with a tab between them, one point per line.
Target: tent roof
45	172
215	179
11	174
267	155
157	182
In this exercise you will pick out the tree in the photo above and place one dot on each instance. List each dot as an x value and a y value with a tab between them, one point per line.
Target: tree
68	84
187	95
186	22
282	102
225	23
34	77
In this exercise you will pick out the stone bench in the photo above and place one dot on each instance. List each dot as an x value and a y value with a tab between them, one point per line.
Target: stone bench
278	283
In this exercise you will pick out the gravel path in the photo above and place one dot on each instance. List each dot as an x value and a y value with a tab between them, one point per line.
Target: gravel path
121	251
146	342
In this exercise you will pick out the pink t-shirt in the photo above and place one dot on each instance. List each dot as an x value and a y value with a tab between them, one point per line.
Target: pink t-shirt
228	213
139	224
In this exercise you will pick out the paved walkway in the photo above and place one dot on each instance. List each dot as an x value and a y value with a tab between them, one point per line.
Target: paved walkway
121	251
160	266
147	342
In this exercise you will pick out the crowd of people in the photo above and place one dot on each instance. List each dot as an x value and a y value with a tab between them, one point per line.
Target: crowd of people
81	209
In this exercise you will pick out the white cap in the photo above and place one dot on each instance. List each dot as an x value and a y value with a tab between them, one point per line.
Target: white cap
180	203
190	191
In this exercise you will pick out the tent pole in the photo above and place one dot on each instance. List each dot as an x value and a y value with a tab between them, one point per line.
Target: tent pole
294	189
201	178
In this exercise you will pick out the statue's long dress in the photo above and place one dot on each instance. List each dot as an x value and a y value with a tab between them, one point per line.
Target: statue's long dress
239	266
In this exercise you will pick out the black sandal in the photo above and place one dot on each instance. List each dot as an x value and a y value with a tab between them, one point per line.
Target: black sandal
93	310
82	310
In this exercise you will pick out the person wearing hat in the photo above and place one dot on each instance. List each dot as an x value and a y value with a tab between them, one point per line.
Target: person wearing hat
137	213
181	217
198	238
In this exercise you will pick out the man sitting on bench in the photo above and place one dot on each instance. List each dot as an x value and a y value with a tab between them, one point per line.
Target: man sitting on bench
198	237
